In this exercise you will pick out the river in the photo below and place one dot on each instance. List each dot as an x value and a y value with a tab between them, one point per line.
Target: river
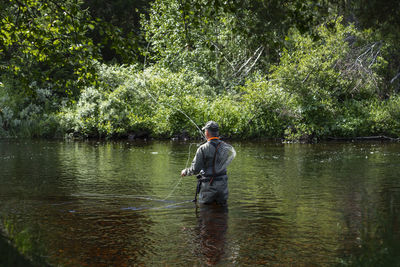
124	204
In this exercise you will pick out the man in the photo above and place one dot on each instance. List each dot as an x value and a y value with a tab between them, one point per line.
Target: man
210	162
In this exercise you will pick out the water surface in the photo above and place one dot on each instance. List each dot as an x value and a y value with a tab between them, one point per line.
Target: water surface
123	204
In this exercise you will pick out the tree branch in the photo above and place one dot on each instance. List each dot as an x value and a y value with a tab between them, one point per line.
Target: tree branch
219	49
248	60
255	61
395	77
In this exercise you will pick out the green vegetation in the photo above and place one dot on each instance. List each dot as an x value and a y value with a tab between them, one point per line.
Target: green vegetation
302	70
19	248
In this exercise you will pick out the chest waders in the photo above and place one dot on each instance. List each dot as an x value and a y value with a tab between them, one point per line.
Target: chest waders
201	179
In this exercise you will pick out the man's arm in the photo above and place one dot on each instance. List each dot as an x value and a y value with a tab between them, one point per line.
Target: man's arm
197	164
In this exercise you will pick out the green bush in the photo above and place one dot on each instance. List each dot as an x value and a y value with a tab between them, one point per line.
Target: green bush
325	85
385	116
267	109
316	80
315	92
23	116
151	102
353	119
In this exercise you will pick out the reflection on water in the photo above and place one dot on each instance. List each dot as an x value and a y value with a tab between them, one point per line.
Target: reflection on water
104	203
211	232
9	256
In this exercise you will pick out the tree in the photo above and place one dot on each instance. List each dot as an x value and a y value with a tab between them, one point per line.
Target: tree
44	45
118	30
384	21
226	41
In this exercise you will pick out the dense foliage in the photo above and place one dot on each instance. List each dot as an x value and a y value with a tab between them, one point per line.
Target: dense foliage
302	70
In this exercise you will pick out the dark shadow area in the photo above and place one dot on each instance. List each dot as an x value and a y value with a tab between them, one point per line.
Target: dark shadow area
10	257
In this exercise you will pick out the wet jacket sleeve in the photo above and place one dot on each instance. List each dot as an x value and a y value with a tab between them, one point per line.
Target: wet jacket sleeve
197	163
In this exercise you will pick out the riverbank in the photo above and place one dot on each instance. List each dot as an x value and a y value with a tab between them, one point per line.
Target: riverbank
180	139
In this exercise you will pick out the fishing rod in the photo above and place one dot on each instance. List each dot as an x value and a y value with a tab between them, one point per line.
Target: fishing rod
190	119
176	109
180	179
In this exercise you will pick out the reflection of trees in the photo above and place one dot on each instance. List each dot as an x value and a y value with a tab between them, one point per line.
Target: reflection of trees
335	200
370	205
10	256
32	169
30	176
40	175
290	205
25	244
125	168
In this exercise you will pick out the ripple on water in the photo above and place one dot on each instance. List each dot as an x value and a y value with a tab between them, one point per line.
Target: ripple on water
84	203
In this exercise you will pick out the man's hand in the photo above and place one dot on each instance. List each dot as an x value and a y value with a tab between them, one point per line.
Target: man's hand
183	172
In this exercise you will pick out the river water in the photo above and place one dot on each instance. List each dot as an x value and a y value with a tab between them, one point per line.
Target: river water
123	204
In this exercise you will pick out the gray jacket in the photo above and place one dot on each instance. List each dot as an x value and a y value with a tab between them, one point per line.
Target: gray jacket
210	163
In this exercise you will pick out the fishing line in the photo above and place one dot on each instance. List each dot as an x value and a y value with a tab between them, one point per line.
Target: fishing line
174	108
190	119
156	208
180	179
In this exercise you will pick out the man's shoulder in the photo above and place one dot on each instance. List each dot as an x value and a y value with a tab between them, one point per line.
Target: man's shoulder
205	145
201	147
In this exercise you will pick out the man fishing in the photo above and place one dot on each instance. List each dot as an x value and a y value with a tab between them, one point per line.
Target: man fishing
209	164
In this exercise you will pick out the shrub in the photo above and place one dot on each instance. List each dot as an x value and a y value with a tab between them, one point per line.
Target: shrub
150	102
268	110
24	116
316	77
385	116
